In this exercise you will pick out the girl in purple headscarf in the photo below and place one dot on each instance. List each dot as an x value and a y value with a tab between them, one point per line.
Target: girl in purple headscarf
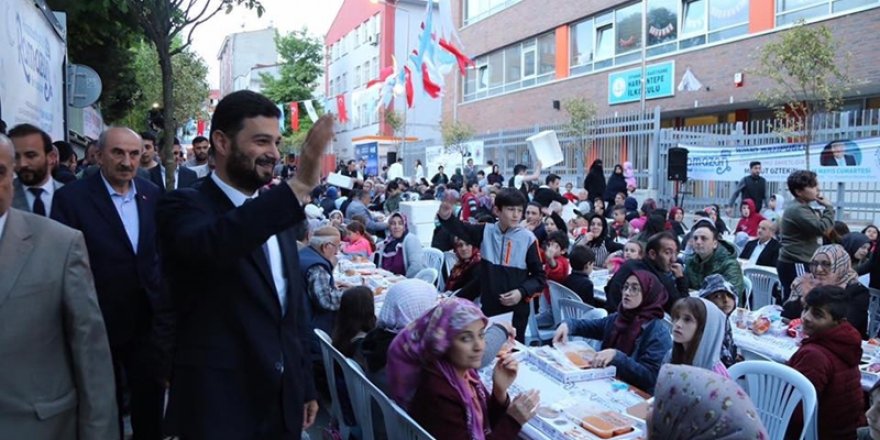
432	374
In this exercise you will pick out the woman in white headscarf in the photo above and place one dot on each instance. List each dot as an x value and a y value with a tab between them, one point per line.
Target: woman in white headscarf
404	302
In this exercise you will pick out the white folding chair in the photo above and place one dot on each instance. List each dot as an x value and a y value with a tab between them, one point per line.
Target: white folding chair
776	390
333	358
763	281
570	309
747	286
449	260
557	292
398	424
754	355
874	312
428	275
434	259
535	335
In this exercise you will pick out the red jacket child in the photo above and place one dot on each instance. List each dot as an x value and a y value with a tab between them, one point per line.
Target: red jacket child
830	360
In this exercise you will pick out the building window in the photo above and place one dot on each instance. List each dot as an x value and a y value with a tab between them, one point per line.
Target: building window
358	78
694	17
528	59
367	73
728	19
356	34
496	73
343	86
581	44
628	21
332	90
475	10
546	56
662	21
512	66
375	67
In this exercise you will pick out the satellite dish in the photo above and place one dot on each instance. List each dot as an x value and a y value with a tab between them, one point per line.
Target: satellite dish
83	85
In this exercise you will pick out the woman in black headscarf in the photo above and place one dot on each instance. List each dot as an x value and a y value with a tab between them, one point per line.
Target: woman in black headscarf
594	183
616	184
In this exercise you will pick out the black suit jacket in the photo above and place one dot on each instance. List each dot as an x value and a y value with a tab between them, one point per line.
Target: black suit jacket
185	177
768	256
828	160
129	285
238	359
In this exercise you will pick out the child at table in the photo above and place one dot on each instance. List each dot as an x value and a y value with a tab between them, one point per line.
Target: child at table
635	339
716	289
357	242
697	335
872	431
582	260
620	226
829	357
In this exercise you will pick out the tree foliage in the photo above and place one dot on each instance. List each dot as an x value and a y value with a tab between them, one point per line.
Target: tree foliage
810	74
97	32
394	120
581	115
455	136
164	22
190	84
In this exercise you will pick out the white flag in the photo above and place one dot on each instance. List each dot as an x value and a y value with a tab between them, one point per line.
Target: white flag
310	109
689	82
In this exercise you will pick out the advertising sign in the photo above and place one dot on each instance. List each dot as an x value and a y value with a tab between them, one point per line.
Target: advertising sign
369	152
31	67
451	159
625	86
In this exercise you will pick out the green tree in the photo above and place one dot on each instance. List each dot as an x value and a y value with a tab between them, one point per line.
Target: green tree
810	74
580	125
301	58
190	91
163	22
455	136
99	31
394	120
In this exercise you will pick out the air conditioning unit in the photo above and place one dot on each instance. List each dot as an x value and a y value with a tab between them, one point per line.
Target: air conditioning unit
373	40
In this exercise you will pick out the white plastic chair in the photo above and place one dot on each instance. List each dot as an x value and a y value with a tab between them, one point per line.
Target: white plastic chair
333	358
874	312
747	286
428	275
570	309
398	424
763	281
449	260
754	355
535	335
434	259
776	390
557	292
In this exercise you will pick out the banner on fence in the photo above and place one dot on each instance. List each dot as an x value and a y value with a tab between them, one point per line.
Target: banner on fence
451	158
838	161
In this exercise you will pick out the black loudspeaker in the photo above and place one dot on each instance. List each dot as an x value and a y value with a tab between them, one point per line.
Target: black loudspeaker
392	158
677	165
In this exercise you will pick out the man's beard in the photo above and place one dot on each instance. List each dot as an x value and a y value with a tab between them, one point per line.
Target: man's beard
243	172
33	177
201	157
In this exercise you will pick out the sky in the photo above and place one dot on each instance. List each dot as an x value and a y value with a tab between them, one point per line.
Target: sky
284	15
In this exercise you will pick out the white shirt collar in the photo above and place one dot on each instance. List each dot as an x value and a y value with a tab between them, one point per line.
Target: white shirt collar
235	196
132	190
48	187
3	223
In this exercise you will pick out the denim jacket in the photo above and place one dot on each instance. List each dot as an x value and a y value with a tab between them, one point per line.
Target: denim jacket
641	368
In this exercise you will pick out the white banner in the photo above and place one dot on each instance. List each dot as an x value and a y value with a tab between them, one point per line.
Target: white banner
31	67
450	160
837	161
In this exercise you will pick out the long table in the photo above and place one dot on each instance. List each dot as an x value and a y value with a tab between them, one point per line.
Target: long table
552	421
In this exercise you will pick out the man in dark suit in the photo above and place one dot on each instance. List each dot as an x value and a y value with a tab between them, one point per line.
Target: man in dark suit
241	366
183	176
115	210
836	156
34	188
764	250
57	372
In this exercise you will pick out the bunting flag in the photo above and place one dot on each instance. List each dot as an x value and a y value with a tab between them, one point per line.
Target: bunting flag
310	109
340	108
294	116
281	120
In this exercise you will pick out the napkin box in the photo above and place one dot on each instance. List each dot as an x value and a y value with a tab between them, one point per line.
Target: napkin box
340	181
544	146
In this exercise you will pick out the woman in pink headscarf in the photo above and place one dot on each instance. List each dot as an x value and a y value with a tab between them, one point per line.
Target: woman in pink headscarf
432	370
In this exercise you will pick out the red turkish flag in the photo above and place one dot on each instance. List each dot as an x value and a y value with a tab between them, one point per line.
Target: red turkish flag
294	116
340	108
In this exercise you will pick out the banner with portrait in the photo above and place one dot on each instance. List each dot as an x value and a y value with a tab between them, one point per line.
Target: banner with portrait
839	161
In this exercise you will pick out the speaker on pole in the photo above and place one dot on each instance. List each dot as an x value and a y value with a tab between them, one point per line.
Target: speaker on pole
677	164
392	158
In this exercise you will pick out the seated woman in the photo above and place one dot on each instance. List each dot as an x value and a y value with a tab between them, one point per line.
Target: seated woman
858	246
357	242
648	206
694	403
635	339
598	239
434	362
404	302
830	266
676	220
356	316
401	252
464	274
698	327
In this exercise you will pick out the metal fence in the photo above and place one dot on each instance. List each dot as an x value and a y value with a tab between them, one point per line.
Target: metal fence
639	139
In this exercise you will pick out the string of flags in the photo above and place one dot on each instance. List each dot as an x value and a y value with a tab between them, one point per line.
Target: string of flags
292	112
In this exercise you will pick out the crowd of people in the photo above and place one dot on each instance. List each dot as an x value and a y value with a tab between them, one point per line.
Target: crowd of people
117	291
